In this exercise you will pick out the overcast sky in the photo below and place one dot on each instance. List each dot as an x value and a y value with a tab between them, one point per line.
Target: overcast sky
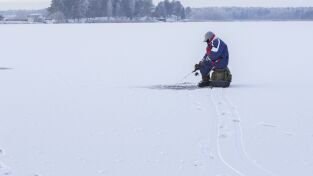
37	4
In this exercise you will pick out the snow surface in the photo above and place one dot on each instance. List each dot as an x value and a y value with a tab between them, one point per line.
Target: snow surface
103	99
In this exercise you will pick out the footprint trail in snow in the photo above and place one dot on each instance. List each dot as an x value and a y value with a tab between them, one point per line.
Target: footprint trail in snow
4	169
230	146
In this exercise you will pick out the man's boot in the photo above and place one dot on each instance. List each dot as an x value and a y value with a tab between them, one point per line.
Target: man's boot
205	81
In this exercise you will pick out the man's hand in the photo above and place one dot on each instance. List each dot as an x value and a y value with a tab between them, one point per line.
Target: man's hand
197	66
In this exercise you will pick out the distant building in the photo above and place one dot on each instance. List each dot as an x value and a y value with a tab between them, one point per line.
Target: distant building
35	18
162	19
14	19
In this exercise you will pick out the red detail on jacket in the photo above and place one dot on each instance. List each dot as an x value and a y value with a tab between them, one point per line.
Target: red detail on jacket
208	50
216	62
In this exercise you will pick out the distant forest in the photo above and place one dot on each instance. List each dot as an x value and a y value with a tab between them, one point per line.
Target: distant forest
61	10
252	13
77	9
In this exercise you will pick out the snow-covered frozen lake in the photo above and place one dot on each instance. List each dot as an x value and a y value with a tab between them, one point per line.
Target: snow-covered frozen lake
98	99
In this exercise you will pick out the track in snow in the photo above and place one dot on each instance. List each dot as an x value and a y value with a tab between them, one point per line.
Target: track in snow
5	170
230	144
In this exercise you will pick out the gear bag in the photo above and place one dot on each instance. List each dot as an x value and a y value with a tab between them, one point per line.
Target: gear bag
221	78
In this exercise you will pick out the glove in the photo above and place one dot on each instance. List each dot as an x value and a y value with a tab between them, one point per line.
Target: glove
197	67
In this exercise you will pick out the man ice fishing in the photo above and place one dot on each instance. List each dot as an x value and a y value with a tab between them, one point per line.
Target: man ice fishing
215	58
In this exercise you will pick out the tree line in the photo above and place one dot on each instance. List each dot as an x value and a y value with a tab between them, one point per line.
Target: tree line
251	13
77	9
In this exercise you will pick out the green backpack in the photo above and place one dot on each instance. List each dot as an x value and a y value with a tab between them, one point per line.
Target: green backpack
221	78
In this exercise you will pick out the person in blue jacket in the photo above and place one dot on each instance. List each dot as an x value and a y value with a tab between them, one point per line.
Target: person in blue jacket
216	57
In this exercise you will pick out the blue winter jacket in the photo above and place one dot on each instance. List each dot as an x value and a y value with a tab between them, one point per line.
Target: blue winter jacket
217	54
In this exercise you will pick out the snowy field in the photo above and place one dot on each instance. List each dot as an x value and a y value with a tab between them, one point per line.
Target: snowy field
100	99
